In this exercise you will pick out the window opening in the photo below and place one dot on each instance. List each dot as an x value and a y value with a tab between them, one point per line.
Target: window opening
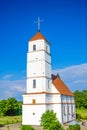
48	84
33	101
33	113
34	83
68	109
34	47
64	110
72	109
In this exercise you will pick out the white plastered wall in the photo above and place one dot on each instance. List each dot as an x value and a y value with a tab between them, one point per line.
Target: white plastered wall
31	114
40	45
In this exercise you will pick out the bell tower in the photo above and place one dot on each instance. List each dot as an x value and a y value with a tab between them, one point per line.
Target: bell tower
38	65
38	82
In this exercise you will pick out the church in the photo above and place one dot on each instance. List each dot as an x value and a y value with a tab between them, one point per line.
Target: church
44	91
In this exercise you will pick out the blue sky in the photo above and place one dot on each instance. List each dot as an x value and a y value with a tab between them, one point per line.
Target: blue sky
64	25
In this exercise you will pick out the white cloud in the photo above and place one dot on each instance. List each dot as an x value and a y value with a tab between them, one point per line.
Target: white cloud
78	81
11	88
18	88
7	76
74	76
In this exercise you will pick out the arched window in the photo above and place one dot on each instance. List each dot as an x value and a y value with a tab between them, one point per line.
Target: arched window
34	47
34	83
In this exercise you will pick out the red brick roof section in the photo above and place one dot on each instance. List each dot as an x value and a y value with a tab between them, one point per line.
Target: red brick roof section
61	87
38	36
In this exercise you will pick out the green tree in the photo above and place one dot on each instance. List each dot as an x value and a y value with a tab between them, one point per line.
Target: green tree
81	98
19	112
3	107
84	99
78	99
10	107
49	121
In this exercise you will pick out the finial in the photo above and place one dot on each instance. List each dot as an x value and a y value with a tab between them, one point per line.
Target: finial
39	24
38	21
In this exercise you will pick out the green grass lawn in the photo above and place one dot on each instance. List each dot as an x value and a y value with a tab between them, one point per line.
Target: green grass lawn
10	119
82	113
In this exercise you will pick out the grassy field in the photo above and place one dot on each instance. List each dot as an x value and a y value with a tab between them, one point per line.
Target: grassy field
10	119
82	113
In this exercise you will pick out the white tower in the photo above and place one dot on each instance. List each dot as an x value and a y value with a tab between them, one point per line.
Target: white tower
38	64
38	84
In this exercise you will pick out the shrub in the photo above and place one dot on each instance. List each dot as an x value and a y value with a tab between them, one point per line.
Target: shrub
78	116
49	121
74	127
27	127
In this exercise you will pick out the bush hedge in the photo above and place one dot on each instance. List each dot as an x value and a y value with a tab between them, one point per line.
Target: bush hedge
74	127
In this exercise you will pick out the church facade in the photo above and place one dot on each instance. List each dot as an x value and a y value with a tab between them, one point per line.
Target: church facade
43	90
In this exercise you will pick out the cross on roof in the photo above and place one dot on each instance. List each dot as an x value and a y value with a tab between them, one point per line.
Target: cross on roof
39	24
38	21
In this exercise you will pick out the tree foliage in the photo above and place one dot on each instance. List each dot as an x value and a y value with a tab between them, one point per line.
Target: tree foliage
10	107
49	121
81	98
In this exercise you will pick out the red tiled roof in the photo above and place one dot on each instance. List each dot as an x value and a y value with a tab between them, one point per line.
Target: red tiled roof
38	36
61	87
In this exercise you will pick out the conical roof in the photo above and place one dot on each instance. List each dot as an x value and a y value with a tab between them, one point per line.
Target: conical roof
38	36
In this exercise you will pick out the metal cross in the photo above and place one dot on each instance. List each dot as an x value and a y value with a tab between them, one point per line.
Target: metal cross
38	21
